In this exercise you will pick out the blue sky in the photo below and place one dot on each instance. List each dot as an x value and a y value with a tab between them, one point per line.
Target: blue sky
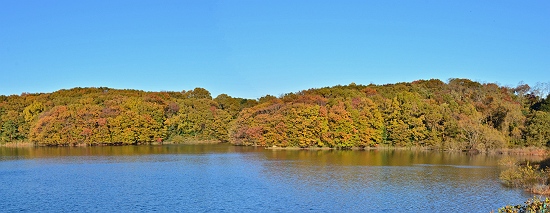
252	48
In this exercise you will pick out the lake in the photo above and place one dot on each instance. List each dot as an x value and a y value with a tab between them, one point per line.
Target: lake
224	178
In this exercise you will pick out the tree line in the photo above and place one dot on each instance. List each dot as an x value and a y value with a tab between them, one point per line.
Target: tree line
458	114
95	116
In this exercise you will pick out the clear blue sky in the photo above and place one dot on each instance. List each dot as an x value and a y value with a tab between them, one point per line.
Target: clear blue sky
252	48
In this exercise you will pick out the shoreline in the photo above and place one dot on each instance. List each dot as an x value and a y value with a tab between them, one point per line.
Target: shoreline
528	151
21	144
18	144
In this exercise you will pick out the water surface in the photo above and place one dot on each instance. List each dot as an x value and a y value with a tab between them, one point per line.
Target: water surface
223	178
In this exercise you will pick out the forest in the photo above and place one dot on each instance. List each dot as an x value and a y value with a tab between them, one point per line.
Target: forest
459	114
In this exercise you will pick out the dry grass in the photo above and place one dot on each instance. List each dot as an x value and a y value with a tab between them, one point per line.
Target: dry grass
18	144
532	151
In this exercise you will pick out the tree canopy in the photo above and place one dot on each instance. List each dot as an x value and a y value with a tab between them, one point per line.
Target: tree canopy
458	114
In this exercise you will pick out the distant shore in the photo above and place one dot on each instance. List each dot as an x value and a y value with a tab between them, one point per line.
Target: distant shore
18	144
511	151
32	144
531	151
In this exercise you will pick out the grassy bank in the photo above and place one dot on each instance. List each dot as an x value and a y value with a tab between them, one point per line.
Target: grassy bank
527	151
31	144
18	144
535	151
534	177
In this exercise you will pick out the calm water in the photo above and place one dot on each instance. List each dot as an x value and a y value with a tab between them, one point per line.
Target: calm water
222	178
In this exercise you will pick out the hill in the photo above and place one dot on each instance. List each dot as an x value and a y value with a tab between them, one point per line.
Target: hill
459	114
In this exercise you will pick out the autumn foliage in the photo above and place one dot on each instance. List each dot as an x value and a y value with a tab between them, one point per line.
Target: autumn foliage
459	114
96	116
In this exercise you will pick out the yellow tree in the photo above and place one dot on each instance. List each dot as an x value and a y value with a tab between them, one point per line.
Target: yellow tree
340	126
367	121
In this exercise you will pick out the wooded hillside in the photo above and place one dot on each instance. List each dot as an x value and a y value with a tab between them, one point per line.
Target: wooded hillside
459	114
108	116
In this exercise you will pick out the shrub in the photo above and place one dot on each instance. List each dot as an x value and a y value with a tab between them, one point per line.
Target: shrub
534	205
526	176
532	177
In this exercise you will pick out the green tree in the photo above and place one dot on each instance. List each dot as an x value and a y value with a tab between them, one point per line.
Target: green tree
405	120
9	131
537	132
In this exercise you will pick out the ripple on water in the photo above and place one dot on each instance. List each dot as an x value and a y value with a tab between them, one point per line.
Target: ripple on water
254	181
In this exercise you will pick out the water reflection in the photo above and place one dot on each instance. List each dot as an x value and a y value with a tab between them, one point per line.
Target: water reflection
390	166
394	180
48	152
